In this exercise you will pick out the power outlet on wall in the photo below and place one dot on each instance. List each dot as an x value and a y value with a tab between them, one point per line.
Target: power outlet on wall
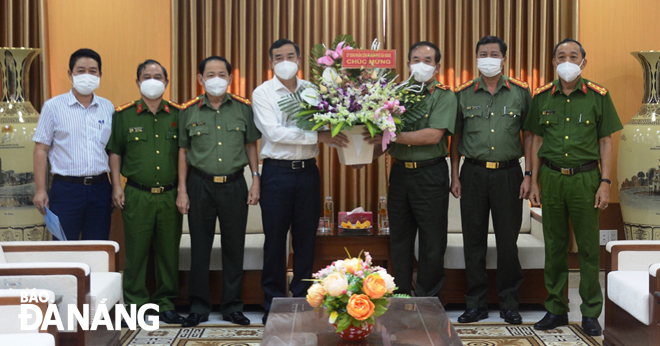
607	235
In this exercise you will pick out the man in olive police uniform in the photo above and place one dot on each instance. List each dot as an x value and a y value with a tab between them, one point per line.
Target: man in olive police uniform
217	140
144	148
419	182
491	112
573	120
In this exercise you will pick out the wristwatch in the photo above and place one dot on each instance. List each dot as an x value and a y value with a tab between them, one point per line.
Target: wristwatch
529	173
606	180
256	174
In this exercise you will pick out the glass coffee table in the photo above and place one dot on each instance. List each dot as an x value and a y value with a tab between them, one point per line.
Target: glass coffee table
407	322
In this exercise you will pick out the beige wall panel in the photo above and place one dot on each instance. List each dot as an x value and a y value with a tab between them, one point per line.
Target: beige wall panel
609	31
123	32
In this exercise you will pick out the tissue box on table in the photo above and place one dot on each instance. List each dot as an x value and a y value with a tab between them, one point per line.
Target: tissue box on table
353	217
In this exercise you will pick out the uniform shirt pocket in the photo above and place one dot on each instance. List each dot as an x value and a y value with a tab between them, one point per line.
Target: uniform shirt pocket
472	117
136	137
548	119
236	133
586	119
199	136
512	119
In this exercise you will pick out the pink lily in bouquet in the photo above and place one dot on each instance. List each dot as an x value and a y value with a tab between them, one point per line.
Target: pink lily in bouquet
392	107
331	55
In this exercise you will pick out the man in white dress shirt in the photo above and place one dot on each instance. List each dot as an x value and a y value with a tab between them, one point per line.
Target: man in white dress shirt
290	181
72	132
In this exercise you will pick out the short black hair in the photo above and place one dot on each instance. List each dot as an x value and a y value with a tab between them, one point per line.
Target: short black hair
84	53
568	40
427	44
491	39
282	42
143	65
202	65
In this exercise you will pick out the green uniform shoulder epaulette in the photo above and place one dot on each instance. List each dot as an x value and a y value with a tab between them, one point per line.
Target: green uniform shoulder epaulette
240	99
542	89
519	83
174	104
463	86
122	107
189	103
599	89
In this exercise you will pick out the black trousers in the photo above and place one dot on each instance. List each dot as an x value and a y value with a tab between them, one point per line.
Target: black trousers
228	203
290	198
418	199
485	191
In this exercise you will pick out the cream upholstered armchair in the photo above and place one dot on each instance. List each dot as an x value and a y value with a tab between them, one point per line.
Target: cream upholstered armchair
633	278
10	325
78	272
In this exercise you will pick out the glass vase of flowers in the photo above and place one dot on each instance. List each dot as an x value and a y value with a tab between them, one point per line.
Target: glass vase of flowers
353	292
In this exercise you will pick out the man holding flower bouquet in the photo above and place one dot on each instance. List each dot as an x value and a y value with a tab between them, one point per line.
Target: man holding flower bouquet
419	182
290	182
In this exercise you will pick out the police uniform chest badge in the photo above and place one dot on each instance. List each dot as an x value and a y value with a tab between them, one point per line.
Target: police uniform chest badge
135	129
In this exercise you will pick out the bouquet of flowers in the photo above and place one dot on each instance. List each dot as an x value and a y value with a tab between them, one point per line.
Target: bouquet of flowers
352	291
342	98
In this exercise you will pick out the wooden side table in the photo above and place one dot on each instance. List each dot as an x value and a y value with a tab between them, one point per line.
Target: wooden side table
330	248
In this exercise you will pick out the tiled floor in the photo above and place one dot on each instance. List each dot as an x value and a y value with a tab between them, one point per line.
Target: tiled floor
529	314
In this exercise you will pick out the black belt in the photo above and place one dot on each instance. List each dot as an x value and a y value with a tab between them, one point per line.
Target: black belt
419	164
572	170
82	180
293	164
221	179
494	165
155	190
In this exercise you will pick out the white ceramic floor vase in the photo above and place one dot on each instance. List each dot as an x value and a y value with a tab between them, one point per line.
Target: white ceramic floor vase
19	219
639	158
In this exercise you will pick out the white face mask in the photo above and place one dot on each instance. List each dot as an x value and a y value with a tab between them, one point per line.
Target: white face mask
489	67
286	69
216	86
568	71
422	72
86	83
152	88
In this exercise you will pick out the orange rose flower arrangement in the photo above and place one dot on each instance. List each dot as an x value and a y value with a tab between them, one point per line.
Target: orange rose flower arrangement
353	291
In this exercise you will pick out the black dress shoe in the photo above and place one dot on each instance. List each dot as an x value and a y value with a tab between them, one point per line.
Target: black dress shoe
591	326
551	321
237	317
170	317
510	316
265	318
194	319
473	315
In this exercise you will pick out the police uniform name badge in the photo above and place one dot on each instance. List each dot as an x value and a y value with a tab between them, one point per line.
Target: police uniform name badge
135	129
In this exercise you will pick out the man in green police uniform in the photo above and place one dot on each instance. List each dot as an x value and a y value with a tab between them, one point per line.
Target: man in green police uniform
491	112
573	120
217	139
143	148
419	182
